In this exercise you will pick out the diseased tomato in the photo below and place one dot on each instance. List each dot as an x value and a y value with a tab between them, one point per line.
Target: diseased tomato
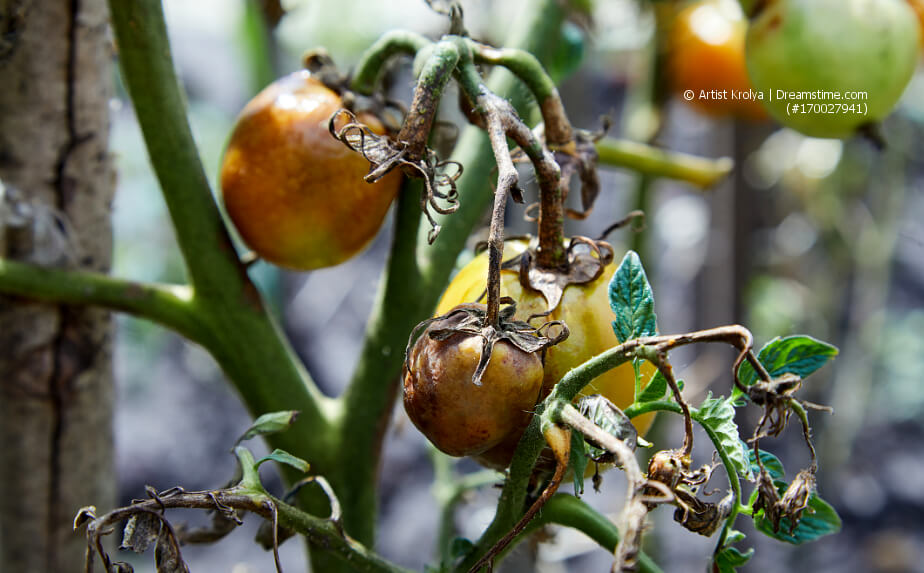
706	54
459	417
851	58
295	194
586	311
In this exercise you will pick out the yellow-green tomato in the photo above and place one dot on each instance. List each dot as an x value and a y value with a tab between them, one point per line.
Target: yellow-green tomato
458	416
295	194
586	311
860	54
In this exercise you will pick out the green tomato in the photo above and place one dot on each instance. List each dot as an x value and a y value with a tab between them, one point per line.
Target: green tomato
839	46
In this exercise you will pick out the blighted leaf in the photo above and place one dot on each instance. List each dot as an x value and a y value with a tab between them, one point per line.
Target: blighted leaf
654	390
578	461
719	415
269	423
167	557
729	558
819	519
610	419
800	355
284	457
631	300
141	531
773	464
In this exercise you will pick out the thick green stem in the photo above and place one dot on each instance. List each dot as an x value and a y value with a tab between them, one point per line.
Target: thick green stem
654	162
167	305
391	44
407	298
242	337
367	401
568	510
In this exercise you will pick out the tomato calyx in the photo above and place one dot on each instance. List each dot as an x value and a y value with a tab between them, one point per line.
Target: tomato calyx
470	319
385	154
585	259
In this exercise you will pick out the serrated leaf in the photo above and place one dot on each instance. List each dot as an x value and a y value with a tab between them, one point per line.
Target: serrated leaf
819	519
772	463
729	558
799	355
719	415
655	389
141	531
734	536
632	301
269	423
284	457
578	462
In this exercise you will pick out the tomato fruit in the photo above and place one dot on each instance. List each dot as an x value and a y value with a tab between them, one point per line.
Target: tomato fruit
918	7
295	194
706	52
585	309
459	417
839	46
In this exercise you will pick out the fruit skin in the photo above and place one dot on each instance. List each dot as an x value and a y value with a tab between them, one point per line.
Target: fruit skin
586	311
706	52
834	45
918	7
295	194
458	417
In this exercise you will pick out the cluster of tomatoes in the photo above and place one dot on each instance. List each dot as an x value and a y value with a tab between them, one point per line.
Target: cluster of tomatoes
845	47
297	196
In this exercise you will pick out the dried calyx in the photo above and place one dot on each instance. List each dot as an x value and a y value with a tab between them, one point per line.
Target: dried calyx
385	153
585	260
470	319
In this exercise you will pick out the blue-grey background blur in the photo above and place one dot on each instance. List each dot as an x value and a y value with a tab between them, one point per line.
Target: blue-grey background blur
821	237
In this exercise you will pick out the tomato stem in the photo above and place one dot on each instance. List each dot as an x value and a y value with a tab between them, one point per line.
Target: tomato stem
433	78
373	60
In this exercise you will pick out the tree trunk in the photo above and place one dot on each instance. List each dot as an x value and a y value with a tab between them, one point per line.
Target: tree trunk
55	362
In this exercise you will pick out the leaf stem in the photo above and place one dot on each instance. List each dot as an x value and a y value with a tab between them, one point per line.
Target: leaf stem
167	305
374	59
655	162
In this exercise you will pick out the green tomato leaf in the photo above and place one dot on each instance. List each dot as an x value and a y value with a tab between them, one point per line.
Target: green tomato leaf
772	463
578	462
284	457
819	519
800	355
719	415
655	389
269	423
729	558
632	300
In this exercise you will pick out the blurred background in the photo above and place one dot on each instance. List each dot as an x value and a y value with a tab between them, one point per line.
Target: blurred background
820	237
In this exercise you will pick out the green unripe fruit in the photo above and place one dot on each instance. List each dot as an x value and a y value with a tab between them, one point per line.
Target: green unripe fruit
837	46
